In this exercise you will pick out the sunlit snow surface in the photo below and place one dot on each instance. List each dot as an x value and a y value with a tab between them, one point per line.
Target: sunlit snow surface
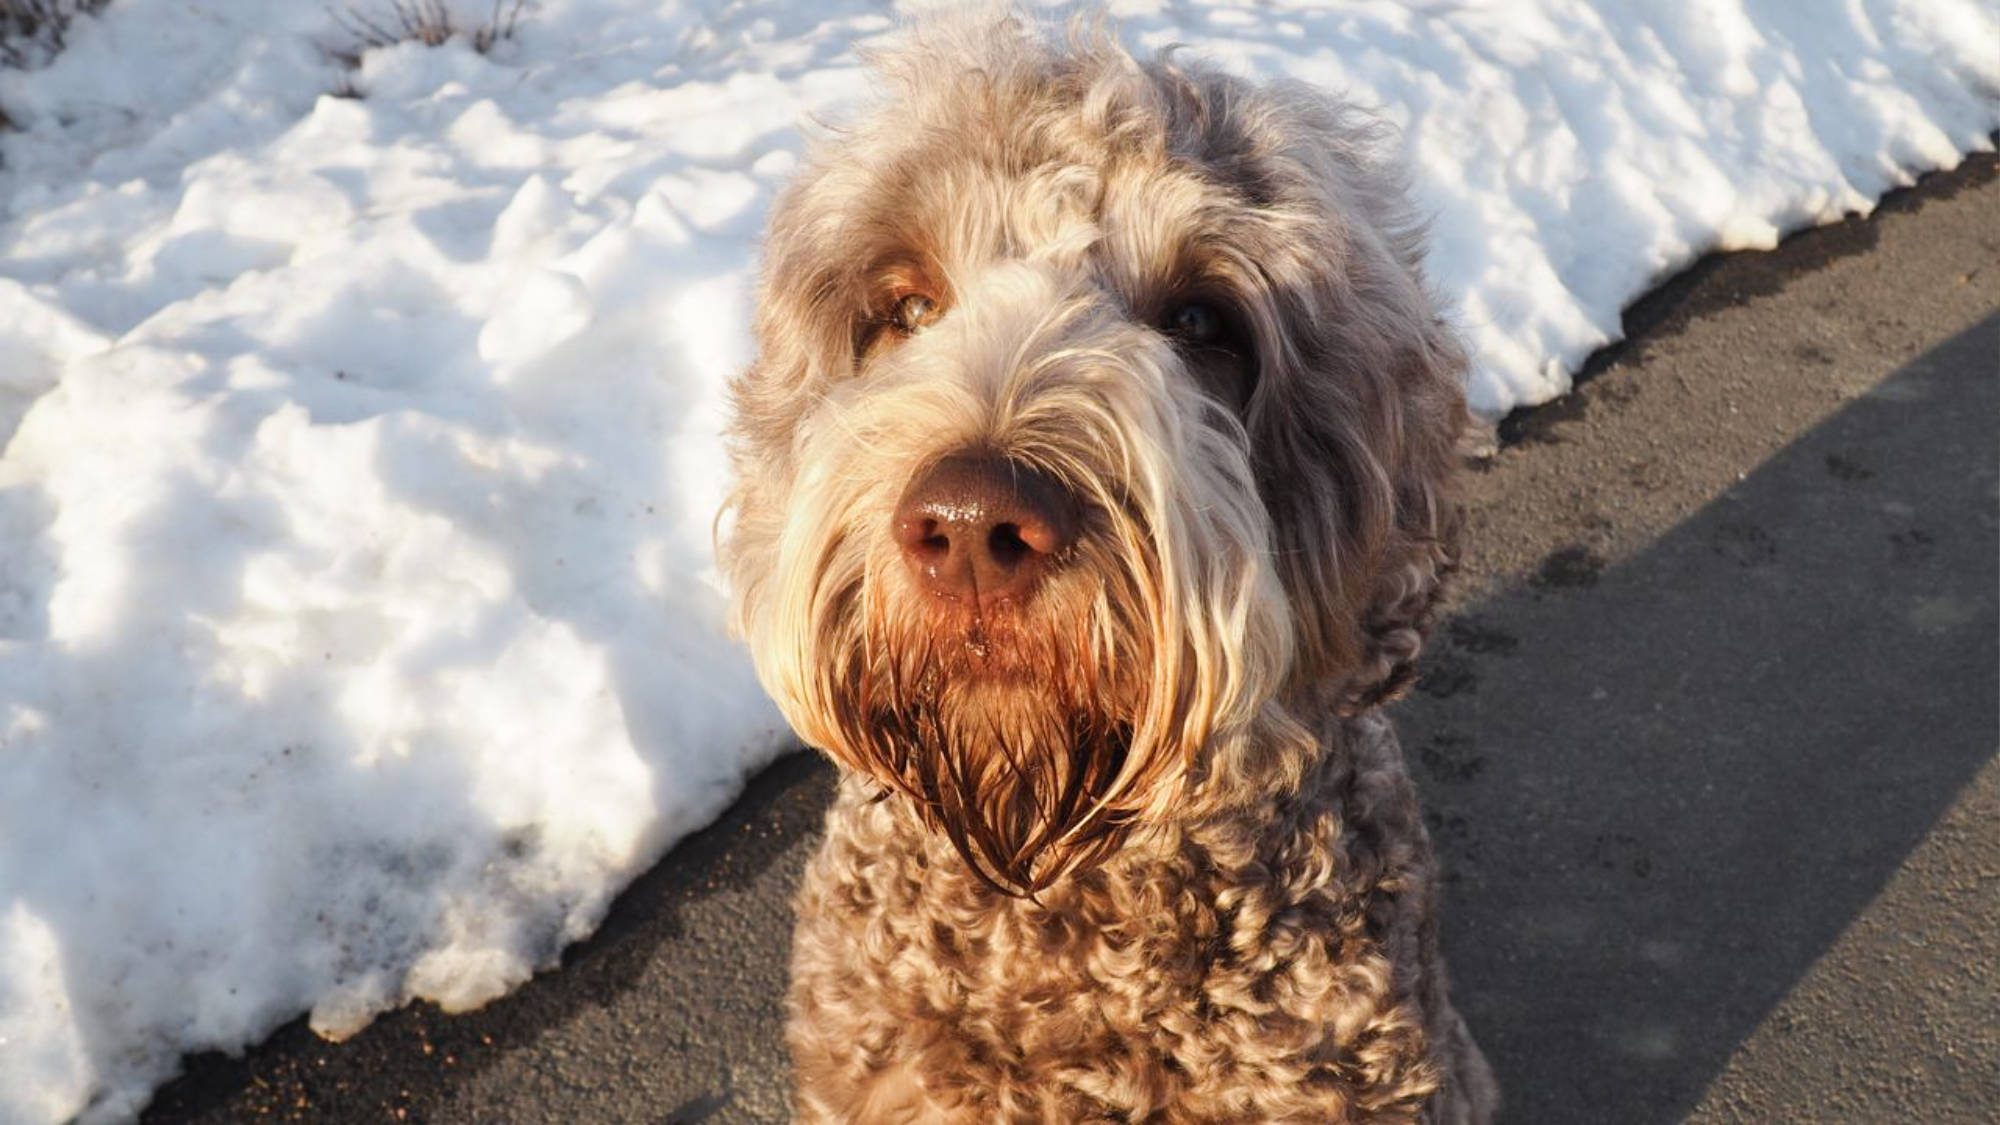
359	636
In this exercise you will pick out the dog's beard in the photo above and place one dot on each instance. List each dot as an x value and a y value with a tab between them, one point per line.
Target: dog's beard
1011	730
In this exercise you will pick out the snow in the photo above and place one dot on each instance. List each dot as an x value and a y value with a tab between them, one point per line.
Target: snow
359	632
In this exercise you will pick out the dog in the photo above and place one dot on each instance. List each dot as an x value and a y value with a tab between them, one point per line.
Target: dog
1093	494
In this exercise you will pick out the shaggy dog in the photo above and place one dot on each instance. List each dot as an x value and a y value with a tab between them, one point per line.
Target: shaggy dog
1093	494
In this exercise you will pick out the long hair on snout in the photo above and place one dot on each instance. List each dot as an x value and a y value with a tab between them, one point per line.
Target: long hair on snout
1013	733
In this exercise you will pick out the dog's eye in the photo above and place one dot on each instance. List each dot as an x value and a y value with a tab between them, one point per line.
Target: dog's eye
914	313
1218	352
1197	323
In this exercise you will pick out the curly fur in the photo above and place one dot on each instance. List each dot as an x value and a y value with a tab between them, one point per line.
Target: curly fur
1140	848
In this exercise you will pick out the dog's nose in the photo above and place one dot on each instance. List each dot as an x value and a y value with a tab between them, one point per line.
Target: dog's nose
981	527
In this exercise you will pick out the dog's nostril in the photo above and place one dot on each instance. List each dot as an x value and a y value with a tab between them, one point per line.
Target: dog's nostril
1006	545
923	540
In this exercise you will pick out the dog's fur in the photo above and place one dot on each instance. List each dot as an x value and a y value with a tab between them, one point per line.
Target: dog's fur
1140	847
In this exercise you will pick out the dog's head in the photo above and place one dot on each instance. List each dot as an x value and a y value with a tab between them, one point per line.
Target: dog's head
1101	420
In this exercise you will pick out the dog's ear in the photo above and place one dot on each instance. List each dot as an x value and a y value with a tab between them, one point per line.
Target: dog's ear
1356	429
1358	455
1360	407
1418	549
803	332
802	335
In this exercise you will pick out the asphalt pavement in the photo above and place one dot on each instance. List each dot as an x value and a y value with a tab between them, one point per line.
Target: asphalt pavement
1708	745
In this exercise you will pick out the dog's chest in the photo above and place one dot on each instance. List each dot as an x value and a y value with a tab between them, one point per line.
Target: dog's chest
1140	986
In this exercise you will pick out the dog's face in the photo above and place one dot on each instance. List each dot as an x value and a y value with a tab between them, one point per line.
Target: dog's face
1099	422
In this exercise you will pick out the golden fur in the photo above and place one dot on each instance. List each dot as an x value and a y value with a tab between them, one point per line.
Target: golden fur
1140	847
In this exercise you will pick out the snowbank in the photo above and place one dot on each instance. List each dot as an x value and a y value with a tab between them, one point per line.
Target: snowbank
359	637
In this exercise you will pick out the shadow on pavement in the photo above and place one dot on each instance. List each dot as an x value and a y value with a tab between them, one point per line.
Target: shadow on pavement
1664	788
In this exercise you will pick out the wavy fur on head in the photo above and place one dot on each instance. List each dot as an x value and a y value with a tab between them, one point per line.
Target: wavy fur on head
1134	847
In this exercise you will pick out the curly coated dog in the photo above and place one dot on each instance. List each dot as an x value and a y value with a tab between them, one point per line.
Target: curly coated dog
1094	493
